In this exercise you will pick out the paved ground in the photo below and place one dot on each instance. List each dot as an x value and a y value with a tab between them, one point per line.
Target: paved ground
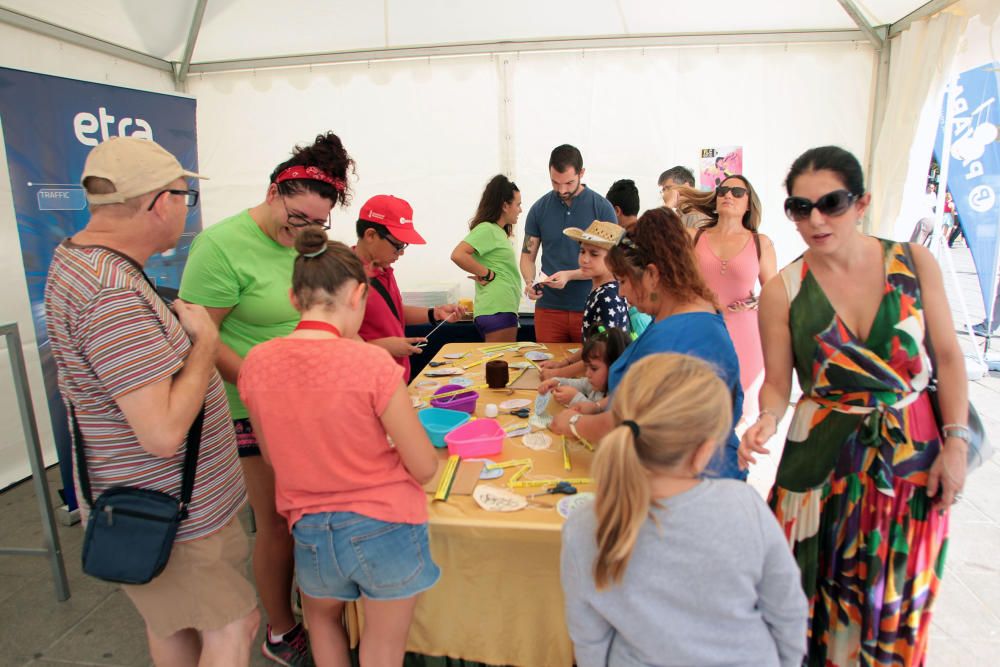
98	626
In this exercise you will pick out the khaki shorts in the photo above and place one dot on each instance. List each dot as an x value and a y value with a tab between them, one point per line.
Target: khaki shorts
203	586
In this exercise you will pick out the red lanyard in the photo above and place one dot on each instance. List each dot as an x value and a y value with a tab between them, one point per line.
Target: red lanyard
318	326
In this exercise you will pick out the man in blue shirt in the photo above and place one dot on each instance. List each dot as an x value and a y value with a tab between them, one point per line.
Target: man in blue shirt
562	295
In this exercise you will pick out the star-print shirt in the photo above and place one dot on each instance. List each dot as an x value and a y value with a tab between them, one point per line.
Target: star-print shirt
605	307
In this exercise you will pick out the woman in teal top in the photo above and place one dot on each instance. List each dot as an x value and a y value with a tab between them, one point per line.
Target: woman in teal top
487	254
240	269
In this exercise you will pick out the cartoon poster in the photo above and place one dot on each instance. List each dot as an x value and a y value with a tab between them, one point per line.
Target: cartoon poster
718	164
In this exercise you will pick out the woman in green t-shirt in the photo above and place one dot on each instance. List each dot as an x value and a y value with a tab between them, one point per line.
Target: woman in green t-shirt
487	254
240	269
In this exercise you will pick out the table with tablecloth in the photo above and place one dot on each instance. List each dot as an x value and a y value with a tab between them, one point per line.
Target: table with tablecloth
499	599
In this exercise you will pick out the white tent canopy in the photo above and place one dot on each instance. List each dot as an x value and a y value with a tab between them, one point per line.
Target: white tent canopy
237	33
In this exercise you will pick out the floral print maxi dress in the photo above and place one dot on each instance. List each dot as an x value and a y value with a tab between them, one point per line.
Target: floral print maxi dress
850	491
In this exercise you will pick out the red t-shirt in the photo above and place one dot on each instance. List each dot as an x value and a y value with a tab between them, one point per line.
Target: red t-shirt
379	321
317	405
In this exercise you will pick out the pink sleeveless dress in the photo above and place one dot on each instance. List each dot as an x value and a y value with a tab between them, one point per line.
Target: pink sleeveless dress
734	280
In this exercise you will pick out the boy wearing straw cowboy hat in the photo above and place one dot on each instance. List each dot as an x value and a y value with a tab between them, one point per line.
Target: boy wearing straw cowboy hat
605	306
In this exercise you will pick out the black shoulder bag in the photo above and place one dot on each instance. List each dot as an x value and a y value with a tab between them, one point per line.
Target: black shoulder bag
131	531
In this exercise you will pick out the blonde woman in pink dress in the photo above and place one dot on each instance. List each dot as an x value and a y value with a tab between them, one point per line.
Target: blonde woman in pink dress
733	258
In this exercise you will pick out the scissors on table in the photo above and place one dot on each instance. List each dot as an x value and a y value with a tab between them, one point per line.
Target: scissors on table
562	487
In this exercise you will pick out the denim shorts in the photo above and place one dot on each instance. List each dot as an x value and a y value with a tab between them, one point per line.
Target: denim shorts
343	555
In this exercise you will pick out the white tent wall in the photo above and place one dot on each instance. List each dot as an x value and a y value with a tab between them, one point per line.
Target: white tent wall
29	51
435	130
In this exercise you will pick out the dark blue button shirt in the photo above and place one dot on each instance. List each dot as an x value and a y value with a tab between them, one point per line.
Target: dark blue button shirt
547	219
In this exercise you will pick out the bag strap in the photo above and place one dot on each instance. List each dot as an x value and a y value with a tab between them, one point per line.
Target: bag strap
380	288
190	459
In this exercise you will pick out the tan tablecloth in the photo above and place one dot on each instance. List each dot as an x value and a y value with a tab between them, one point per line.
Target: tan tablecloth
499	600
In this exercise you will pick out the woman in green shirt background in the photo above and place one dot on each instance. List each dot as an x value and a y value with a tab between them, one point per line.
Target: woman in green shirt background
487	254
240	269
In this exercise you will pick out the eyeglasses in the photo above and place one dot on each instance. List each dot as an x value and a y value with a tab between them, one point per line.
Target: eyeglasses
191	197
798	209
399	246
738	192
300	222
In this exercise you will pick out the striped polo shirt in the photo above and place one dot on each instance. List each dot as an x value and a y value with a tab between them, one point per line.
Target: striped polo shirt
110	334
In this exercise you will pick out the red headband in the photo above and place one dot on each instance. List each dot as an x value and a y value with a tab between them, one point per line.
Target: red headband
310	173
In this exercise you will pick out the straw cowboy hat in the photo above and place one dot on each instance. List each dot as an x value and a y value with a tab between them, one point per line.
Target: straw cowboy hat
602	234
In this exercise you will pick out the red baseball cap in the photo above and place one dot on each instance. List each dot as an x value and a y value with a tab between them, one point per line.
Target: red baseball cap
393	213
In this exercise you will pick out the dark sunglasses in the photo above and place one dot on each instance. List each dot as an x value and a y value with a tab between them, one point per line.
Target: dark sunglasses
798	209
737	191
190	197
386	236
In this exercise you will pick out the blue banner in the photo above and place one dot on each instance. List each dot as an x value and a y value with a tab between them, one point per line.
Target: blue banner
974	170
49	126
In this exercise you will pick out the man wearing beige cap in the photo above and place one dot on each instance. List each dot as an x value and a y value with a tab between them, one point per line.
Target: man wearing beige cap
134	374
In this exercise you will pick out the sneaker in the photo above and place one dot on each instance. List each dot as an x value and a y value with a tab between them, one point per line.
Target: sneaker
291	651
981	330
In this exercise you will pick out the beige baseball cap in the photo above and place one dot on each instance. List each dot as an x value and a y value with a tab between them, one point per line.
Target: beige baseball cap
134	166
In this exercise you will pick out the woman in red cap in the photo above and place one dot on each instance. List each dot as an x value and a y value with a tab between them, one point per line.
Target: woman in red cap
240	269
385	229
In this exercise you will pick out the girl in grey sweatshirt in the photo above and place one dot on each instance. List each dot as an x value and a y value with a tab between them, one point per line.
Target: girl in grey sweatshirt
666	568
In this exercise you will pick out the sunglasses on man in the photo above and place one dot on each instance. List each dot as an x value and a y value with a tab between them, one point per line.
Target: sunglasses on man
798	209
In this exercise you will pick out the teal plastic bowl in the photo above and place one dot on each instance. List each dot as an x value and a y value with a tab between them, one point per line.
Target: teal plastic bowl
438	422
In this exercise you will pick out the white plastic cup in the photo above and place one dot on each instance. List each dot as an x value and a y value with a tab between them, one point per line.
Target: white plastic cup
491	410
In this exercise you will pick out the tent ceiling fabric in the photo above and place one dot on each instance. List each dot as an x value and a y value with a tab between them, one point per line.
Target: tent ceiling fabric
251	29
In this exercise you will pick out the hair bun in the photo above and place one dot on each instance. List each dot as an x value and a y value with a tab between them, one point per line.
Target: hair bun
311	240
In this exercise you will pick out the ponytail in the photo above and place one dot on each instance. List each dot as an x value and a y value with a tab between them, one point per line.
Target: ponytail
667	406
621	506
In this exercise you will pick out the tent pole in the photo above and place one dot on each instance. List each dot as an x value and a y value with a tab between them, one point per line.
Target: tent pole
879	40
181	73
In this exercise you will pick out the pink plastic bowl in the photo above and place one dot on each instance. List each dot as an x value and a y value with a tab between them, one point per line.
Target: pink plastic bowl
482	437
464	402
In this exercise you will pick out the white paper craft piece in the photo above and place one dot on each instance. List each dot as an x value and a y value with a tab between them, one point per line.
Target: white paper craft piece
441	372
454	355
416	402
537	441
462	382
570	504
515	403
541	418
520	365
496	499
519	432
536	355
427	383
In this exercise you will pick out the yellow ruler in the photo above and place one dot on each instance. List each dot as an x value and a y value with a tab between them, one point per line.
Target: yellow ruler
447	478
508	464
567	465
531	483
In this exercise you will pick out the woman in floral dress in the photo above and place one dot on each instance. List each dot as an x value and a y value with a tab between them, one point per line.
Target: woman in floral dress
865	479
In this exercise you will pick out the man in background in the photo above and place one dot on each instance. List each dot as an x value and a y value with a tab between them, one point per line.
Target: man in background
670	183
624	197
562	295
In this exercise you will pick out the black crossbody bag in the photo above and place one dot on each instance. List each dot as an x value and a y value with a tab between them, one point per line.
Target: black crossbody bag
131	531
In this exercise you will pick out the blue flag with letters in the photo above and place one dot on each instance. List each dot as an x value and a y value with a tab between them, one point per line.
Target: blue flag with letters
974	170
50	123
